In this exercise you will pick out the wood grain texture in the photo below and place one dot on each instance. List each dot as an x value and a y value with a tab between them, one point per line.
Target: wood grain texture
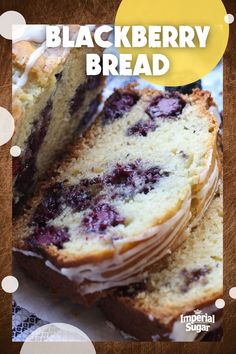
103	11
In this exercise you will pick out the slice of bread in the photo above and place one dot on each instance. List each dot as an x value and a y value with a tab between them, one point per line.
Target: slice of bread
191	279
127	193
53	100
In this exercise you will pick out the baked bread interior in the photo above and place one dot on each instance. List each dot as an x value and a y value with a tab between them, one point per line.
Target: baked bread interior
53	101
129	191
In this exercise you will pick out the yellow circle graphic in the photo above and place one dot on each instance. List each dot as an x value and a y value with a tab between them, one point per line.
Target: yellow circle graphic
187	64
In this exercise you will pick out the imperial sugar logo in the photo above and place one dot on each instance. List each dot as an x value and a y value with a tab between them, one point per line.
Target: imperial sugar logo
198	322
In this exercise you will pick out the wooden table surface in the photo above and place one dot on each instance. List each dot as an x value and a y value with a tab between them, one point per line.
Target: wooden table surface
103	11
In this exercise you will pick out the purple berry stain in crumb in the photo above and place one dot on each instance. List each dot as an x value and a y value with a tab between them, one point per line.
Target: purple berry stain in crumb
50	206
16	166
79	96
46	236
100	217
123	174
77	100
27	168
93	82
130	179
191	276
56	197
78	197
132	290
151	176
88	115
58	76
142	128
40	128
118	104
122	182
167	105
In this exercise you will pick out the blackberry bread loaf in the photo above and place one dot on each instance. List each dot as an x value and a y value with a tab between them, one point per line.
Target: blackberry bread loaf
190	280
128	193
53	100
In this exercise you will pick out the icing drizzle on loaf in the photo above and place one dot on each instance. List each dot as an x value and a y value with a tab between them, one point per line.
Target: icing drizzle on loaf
20	81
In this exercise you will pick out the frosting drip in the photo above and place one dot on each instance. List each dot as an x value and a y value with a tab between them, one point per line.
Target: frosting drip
32	33
20	81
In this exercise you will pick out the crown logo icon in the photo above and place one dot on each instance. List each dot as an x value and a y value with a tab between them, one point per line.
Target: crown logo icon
197	312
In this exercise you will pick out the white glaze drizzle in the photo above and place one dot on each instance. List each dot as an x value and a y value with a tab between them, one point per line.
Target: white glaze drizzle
203	174
208	185
211	185
32	33
20	81
27	253
216	114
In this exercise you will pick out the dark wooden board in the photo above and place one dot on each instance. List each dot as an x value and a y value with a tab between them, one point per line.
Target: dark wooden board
103	11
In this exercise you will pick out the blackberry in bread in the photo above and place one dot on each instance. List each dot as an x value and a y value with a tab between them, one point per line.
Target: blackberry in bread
190	280
128	192
53	100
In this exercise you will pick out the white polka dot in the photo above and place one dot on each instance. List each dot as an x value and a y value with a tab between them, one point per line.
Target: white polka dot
7	19
229	18
232	293
15	151
7	126
10	284
220	303
58	338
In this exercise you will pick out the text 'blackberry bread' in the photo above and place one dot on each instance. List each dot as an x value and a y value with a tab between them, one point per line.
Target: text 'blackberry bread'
190	280
53	100
126	195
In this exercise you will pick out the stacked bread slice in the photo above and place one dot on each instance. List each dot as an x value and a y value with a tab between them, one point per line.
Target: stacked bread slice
53	101
188	283
126	196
